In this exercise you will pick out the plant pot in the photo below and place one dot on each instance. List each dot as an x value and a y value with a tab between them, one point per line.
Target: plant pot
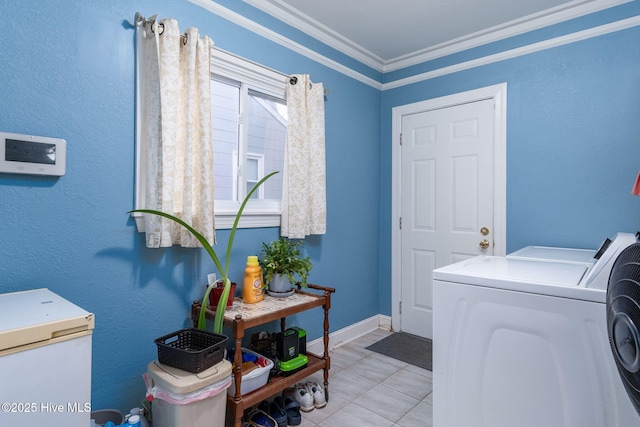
216	293
279	286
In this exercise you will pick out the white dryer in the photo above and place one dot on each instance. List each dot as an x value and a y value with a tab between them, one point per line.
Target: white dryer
520	341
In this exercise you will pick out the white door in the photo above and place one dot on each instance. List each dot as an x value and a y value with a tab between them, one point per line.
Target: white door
447	199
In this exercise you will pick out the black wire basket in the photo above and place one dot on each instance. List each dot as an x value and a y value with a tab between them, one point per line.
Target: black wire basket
191	349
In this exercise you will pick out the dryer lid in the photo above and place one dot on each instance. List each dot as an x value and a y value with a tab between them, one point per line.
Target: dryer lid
486	268
550	253
524	275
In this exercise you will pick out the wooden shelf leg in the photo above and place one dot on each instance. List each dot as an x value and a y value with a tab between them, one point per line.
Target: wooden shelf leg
326	357
237	409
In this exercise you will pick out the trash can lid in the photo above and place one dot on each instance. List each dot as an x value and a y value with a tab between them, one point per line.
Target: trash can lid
179	381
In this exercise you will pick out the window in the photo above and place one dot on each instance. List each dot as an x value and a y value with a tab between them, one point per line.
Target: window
246	150
249	118
249	125
255	171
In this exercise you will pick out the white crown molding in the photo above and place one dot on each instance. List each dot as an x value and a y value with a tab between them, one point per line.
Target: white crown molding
523	25
291	16
254	27
306	24
238	19
514	53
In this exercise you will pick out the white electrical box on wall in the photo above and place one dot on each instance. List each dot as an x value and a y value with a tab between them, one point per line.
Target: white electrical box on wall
34	155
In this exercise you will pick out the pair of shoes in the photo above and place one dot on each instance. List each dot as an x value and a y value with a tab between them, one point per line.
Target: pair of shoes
275	411
259	418
300	394
317	391
291	409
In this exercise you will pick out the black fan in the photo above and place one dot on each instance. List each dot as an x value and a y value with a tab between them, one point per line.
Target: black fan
623	319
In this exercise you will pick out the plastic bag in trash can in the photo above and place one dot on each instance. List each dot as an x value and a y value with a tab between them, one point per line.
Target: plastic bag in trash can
157	392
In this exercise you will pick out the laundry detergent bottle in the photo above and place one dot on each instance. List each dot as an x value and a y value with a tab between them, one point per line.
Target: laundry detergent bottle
252	291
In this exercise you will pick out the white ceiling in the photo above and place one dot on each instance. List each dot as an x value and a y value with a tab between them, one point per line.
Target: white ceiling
390	34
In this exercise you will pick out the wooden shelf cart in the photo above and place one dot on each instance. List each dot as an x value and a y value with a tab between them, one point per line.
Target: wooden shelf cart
242	316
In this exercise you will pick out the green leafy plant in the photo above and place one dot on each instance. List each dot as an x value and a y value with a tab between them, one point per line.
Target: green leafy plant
283	256
224	272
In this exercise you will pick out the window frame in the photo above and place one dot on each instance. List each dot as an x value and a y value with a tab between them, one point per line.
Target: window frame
250	156
258	78
254	77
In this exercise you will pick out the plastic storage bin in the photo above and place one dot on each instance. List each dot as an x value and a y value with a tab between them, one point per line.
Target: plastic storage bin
191	349
103	416
254	379
181	398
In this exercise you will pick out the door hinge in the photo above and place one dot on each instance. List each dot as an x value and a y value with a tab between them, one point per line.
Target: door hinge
400	222
400	307
400	139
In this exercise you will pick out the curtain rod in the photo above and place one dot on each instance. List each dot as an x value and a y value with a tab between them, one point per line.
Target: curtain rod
139	19
292	79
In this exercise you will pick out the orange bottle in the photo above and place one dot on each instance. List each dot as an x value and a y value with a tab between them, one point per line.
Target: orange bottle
252	291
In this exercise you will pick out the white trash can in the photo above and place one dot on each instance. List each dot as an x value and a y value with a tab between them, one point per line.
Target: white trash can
181	398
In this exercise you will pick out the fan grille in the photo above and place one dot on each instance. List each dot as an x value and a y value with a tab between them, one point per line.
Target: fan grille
623	319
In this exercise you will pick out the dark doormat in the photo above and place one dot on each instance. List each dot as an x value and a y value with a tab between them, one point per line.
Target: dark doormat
407	348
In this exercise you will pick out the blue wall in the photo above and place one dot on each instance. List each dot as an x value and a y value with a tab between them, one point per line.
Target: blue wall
573	136
67	70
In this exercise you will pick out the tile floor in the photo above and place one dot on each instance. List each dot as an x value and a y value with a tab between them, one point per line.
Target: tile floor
369	389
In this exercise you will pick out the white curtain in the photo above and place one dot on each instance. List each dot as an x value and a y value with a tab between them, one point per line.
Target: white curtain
304	206
175	124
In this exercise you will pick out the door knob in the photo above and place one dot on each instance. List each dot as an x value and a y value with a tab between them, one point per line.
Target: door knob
484	231
484	244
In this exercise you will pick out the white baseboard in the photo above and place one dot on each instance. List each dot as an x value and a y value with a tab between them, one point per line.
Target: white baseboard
350	333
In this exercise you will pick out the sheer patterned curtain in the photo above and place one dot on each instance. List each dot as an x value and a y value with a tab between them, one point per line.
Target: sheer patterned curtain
304	206
175	126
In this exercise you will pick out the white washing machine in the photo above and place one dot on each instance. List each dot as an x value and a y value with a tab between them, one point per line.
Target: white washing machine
598	264
522	341
546	253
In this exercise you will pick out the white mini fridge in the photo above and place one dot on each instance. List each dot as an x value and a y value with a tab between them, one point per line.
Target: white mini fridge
45	360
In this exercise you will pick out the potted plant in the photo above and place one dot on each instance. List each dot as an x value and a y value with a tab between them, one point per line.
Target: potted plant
283	265
224	272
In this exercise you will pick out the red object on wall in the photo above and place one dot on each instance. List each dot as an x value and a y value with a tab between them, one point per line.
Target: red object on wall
636	187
